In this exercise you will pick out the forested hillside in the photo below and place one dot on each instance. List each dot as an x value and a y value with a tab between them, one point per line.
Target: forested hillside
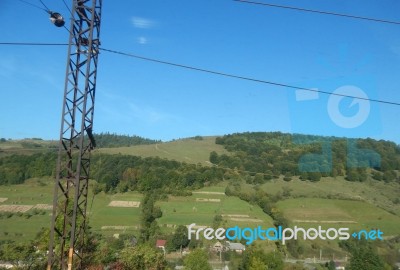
256	157
268	155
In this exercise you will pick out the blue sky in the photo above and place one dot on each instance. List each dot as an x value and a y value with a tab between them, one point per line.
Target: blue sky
163	102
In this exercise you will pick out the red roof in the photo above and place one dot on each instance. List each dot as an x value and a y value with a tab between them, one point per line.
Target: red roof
161	243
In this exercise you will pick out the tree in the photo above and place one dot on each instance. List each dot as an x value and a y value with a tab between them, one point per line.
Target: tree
24	254
197	260
150	213
365	258
331	265
179	238
217	221
142	257
257	264
255	258
214	157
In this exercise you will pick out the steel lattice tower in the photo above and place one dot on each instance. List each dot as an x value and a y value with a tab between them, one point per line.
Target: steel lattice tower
68	225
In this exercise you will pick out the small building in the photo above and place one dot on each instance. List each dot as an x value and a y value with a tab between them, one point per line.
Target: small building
237	247
161	243
218	247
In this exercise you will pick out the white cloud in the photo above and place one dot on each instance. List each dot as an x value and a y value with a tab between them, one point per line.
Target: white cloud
143	23
142	40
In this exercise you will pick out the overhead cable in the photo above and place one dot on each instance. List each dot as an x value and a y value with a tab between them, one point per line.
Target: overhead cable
219	73
246	78
319	12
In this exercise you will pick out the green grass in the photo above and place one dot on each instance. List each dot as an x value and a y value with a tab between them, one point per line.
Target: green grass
185	150
186	210
321	201
26	147
362	214
40	192
380	194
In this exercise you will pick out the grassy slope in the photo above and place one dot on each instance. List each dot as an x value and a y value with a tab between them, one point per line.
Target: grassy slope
185	150
302	211
100	214
26	147
187	210
377	193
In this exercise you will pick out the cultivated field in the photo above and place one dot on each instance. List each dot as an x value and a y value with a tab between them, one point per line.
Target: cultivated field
37	194
380	194
120	213
356	215
203	205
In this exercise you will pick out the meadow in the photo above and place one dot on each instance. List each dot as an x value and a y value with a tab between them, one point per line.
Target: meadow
183	150
200	208
355	215
377	193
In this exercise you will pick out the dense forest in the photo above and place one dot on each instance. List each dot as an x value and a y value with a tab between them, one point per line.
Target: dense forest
268	155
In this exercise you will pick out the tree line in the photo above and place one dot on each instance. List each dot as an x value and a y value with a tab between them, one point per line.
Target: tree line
117	173
110	140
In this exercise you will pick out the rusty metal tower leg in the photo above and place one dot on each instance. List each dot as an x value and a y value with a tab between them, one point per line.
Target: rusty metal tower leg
68	225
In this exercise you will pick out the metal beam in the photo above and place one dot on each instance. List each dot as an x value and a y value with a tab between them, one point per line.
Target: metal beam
68	224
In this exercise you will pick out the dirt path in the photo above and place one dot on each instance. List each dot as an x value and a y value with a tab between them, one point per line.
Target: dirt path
208	192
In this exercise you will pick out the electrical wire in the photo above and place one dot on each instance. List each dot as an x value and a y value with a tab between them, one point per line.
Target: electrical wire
33	5
224	74
318	11
48	10
33	44
70	11
246	78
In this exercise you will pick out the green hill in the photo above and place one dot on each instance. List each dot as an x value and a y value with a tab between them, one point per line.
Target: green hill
192	150
365	197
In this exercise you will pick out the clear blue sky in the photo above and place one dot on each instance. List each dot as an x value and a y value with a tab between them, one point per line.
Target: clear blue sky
162	102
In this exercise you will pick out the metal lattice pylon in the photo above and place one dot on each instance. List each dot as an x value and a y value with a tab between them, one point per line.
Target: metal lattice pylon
68	225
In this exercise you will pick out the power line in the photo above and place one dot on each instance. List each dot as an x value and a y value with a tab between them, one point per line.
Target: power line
246	78
70	11
318	11
48	10
210	72
33	44
33	5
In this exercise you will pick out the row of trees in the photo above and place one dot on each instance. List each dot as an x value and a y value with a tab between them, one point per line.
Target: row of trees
117	172
113	140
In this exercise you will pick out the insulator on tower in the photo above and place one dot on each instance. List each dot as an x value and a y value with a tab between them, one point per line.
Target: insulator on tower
57	19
